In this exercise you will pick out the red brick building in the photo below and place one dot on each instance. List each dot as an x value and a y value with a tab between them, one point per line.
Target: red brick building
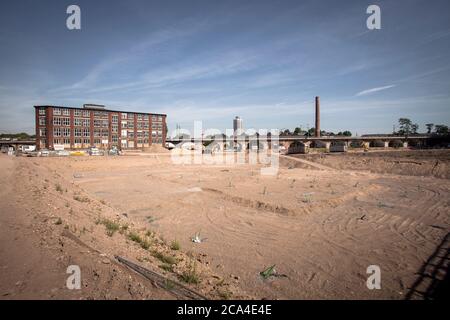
94	125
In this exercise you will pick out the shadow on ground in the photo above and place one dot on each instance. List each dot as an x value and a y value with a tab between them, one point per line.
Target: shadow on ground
433	282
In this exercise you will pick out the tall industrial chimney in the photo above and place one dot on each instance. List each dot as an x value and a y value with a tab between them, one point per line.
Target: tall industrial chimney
317	128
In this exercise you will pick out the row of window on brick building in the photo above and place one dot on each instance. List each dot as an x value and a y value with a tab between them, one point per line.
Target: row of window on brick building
101	114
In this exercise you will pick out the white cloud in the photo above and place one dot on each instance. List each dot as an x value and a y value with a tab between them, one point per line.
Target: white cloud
373	90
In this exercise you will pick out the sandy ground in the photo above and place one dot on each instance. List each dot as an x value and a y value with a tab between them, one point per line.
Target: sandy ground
322	220
418	163
35	251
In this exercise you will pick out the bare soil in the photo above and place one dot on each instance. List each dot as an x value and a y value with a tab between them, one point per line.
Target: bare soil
322	220
414	163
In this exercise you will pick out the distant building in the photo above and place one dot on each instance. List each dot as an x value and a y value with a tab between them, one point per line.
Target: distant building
238	127
96	126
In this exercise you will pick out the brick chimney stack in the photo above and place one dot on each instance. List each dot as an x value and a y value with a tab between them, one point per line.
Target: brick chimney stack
317	127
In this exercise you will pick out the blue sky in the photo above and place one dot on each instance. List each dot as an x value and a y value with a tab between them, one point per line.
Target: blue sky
212	60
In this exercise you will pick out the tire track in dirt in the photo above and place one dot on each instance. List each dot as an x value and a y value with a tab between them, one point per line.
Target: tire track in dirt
432	210
406	226
309	163
240	232
254	204
425	209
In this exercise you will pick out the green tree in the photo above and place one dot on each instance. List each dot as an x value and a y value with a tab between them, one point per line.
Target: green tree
405	126
429	127
441	129
311	132
18	136
347	133
414	128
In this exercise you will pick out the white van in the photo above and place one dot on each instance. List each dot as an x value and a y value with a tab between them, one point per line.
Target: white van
26	149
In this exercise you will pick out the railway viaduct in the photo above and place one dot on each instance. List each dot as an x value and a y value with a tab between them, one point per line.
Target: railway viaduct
298	144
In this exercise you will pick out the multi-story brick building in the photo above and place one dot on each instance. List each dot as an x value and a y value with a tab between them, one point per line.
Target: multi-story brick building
94	125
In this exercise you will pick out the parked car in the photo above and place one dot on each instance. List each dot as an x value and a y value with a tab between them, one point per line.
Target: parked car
62	153
170	145
77	153
114	151
26	149
95	152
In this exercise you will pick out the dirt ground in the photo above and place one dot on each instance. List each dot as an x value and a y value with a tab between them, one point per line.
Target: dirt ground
418	163
322	220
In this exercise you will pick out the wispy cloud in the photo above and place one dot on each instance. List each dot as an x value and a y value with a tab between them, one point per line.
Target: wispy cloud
373	90
225	64
156	39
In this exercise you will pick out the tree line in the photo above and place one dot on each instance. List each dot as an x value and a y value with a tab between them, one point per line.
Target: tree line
311	132
18	136
407	127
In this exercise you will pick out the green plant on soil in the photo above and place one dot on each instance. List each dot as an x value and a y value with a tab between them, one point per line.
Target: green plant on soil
190	275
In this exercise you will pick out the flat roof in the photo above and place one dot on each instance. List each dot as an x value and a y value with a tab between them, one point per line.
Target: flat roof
97	109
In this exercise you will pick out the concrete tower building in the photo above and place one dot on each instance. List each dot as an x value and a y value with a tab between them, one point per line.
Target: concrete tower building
238	127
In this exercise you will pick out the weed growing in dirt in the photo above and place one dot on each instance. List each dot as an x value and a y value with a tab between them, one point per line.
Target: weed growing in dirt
169	284
167	267
149	234
123	228
175	245
145	244
80	199
151	219
224	294
163	240
135	237
307	198
164	258
111	226
267	273
190	275
58	188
